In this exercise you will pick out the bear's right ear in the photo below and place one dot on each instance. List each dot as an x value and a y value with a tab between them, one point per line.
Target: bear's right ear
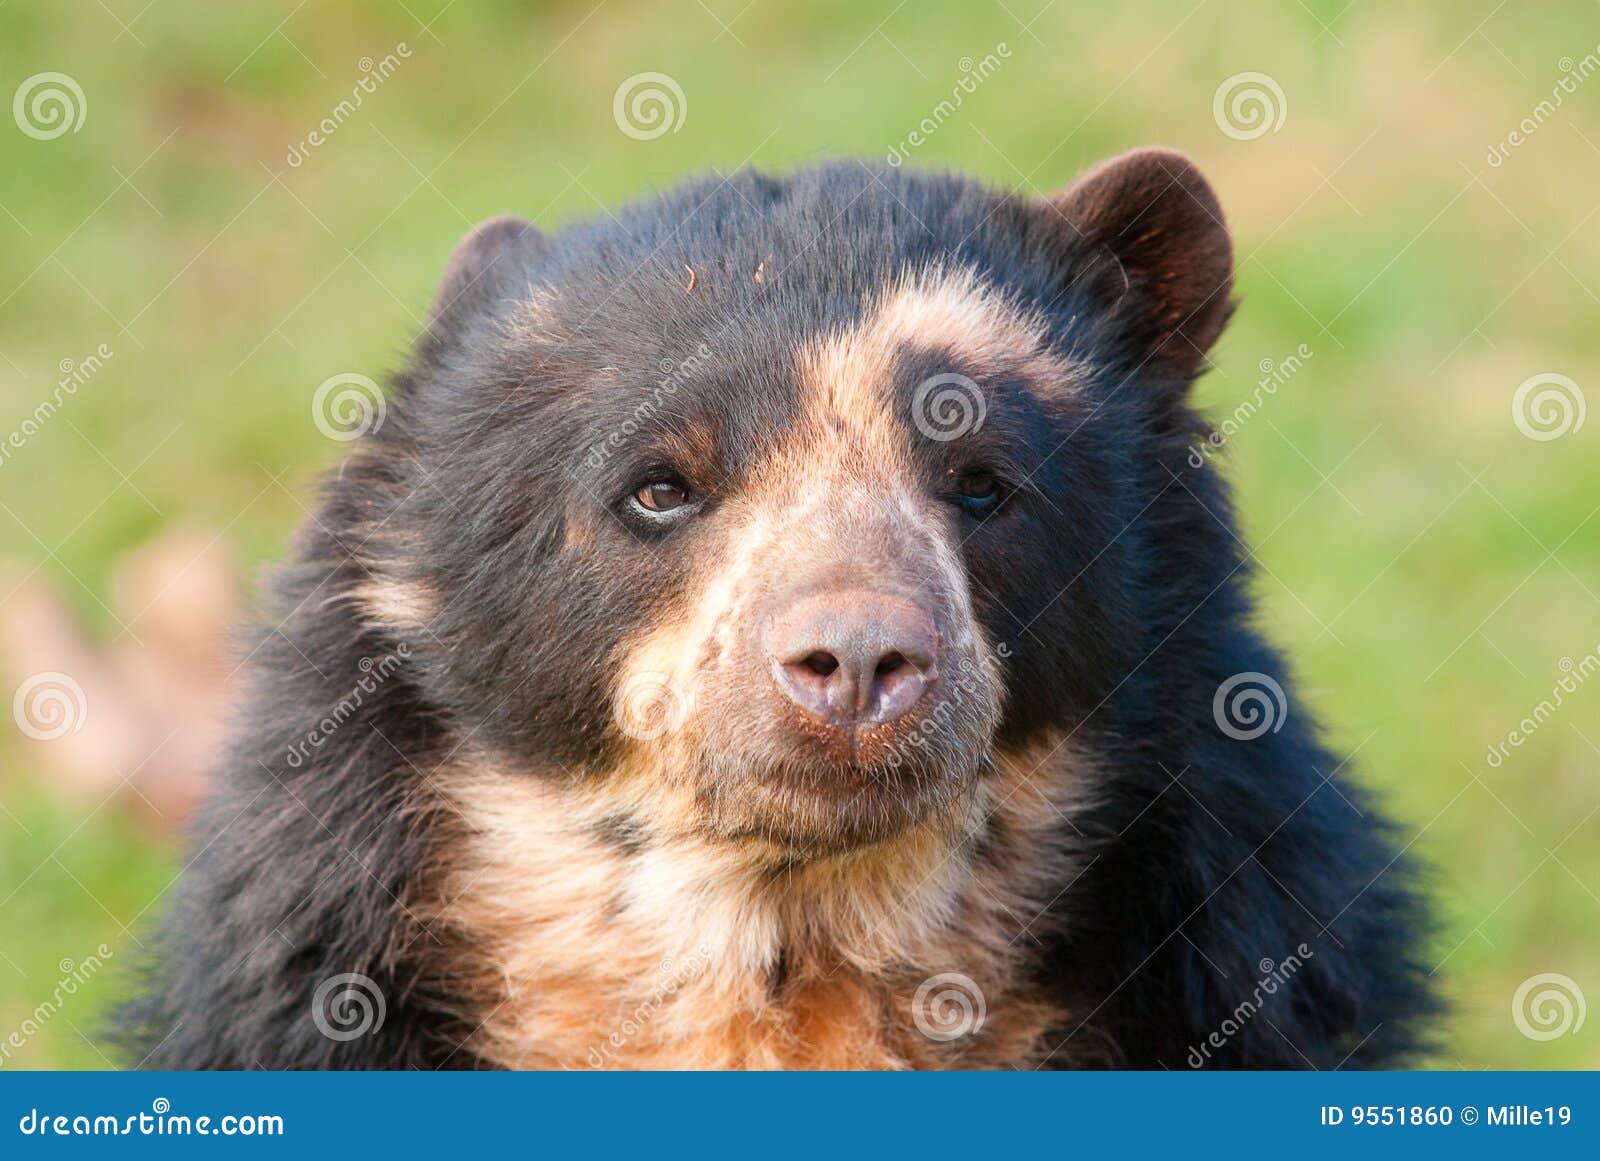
493	260
1150	243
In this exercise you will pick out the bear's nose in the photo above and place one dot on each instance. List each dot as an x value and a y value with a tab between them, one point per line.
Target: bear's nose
855	657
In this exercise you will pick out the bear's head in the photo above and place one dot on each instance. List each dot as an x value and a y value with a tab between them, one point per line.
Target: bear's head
774	510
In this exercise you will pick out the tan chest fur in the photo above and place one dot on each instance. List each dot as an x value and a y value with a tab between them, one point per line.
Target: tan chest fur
575	948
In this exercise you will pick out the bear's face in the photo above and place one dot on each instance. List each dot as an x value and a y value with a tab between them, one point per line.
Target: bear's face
767	515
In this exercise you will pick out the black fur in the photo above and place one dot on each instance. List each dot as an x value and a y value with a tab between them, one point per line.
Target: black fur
1115	579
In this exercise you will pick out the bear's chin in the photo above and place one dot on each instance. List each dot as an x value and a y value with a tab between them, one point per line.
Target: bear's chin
819	810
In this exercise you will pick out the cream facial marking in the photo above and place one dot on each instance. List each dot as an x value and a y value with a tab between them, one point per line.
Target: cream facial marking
952	307
938	308
669	957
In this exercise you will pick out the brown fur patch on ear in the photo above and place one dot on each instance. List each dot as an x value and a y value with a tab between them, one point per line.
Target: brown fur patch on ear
1156	218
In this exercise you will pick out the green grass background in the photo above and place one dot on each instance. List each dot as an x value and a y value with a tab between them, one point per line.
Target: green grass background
1426	565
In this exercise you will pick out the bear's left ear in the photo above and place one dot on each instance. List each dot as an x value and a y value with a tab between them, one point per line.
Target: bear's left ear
1151	231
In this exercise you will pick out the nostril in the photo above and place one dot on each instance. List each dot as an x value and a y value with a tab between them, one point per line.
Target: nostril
890	663
821	662
897	684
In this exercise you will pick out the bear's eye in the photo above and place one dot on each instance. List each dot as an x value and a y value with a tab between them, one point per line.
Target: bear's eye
979	492
661	496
